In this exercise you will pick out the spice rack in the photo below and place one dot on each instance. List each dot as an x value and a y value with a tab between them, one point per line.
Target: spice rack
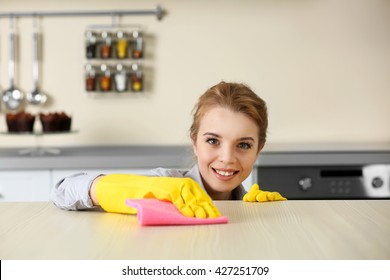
115	60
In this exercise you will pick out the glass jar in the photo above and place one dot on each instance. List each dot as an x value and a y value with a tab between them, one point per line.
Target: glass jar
105	78
90	78
136	78
120	78
90	38
105	48
121	44
138	46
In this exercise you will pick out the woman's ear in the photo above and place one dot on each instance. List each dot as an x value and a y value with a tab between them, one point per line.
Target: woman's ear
261	146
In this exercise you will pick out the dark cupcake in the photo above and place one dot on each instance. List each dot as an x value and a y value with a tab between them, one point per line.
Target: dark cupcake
11	120
50	122
55	122
65	121
20	122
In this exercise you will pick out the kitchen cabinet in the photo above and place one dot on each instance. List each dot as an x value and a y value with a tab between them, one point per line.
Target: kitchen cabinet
58	174
28	185
25	185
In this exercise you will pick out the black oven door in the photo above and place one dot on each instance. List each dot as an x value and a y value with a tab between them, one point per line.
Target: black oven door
327	182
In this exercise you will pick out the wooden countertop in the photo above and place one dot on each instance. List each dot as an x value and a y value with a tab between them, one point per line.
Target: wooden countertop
331	229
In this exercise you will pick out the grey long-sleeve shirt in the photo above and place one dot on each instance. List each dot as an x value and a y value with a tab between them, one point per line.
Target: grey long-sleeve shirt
72	193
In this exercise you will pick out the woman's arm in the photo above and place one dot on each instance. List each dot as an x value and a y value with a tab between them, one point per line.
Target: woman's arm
73	192
92	191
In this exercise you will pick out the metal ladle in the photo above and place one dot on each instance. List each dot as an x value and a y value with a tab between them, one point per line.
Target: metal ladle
36	96
12	97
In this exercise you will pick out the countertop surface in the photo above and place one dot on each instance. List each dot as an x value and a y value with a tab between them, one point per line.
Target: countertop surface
97	157
170	157
332	229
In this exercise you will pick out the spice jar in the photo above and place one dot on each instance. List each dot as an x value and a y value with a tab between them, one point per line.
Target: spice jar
90	44
105	49
137	51
136	78
90	78
105	78
121	45
120	78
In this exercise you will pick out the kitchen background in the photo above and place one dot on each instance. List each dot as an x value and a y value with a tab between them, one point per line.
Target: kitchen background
322	66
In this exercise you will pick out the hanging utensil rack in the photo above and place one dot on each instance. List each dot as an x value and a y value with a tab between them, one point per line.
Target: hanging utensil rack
158	12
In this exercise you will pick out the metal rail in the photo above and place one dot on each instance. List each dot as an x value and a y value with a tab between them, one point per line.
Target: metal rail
158	12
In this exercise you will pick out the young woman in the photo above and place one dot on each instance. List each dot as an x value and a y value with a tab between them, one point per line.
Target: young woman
228	132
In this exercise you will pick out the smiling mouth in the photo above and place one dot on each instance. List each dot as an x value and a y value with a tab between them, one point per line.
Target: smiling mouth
225	173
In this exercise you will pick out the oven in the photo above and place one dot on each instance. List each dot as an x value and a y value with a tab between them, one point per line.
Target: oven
326	175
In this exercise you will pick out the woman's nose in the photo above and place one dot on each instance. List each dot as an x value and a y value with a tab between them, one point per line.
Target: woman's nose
227	155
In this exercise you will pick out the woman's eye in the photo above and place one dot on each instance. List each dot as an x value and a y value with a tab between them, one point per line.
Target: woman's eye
212	141
245	146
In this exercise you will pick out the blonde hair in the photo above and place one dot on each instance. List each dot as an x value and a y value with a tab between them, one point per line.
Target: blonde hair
237	97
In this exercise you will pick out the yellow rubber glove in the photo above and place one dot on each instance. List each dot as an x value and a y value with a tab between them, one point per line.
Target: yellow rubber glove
186	194
257	195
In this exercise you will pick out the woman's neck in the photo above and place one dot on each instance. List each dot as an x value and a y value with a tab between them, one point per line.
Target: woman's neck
216	195
219	195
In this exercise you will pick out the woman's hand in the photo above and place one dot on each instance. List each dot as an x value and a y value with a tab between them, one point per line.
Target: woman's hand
255	194
111	192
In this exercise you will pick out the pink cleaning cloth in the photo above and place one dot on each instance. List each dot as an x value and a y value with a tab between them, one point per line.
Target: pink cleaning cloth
154	212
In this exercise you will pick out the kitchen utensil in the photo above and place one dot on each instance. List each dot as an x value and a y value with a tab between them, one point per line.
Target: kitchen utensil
12	97
36	96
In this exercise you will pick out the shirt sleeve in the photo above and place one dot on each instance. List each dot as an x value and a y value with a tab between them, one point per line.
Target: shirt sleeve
72	193
165	172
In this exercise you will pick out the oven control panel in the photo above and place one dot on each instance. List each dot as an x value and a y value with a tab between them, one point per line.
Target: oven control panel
327	182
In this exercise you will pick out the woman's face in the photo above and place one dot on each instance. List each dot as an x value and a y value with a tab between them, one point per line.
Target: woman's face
226	147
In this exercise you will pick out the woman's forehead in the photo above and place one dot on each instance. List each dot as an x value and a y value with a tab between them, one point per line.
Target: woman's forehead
223	121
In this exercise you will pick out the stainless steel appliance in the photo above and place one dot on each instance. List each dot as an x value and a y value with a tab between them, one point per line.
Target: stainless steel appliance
326	175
